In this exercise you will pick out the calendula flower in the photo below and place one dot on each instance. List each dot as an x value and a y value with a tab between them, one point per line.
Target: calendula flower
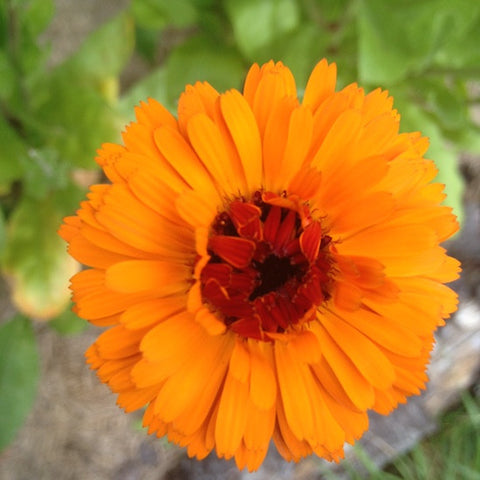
267	267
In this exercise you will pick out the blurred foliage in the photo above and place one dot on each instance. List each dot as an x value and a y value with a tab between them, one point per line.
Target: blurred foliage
52	119
18	375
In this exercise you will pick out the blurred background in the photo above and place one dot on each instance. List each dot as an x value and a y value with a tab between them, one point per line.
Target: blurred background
71	73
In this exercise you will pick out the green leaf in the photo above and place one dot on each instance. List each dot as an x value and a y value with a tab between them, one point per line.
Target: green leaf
468	139
67	323
26	20
330	11
153	85
402	38
460	47
3	233
106	51
19	371
258	23
200	59
76	102
76	117
396	38
36	260
12	152
448	104
301	50
157	14
7	77
146	43
36	15
44	171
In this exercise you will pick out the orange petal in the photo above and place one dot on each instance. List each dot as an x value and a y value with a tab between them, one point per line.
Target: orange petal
294	393
232	416
153	114
263	384
94	300
321	84
161	277
352	381
243	128
366	356
206	139
198	98
275	83
150	312
180	155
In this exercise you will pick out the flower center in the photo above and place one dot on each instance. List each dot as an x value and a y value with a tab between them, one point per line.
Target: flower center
269	267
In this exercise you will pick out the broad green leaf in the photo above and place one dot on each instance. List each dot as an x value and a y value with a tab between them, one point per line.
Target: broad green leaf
19	371
106	51
153	85
257	24
301	50
146	43
468	139
44	171
12	153
460	47
401	38
27	19
199	59
4	18
329	11
76	102
396	38
36	261
7	77
76	118
448	104
444	155
157	14
3	233
65	201
67	323
35	15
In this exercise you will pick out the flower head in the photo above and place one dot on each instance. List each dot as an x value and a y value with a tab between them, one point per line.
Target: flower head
268	267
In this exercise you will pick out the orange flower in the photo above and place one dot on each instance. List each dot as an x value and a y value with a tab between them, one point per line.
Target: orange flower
267	267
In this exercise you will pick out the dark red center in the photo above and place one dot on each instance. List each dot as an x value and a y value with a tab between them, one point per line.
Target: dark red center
269	266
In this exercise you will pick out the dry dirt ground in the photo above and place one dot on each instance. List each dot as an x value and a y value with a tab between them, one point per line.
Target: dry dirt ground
75	431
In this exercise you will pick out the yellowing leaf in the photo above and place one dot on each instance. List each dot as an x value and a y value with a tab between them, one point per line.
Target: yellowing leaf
36	262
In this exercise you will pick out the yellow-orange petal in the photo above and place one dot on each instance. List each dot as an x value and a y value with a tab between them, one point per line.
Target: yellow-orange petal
263	385
197	98
294	393
158	277
275	82
179	154
152	311
320	85
359	391
153	114
206	140
243	128
232	416
366	356
94	300
274	141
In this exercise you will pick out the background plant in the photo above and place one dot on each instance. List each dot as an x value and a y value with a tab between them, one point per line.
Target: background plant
425	52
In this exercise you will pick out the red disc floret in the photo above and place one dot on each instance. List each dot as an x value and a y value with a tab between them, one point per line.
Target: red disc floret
269	265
